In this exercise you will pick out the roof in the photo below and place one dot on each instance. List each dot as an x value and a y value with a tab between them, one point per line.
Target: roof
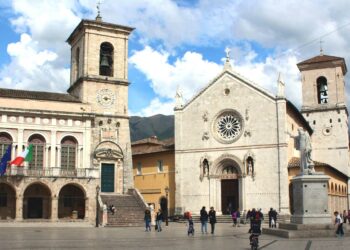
235	75
299	116
99	25
152	145
295	162
37	95
323	61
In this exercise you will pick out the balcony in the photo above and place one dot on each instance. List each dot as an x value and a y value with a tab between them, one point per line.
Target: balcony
53	172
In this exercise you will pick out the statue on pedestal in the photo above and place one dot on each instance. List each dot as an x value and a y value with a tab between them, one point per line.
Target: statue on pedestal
306	163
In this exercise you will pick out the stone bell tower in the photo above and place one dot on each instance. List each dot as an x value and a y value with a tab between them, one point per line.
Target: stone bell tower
99	77
324	107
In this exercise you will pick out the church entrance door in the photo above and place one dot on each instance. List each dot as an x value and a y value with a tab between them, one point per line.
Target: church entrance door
229	196
107	178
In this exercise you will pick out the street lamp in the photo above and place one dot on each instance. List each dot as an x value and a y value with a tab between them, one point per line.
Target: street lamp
97	203
167	209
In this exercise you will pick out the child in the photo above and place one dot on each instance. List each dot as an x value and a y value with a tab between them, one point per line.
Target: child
190	227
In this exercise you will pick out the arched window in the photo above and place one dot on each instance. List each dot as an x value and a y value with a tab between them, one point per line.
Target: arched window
38	142
322	90
68	153
5	141
106	59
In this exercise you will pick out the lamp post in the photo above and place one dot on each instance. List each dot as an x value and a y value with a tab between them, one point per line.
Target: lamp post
97	194
167	209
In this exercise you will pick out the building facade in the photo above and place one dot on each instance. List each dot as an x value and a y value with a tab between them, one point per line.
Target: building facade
81	140
154	172
240	154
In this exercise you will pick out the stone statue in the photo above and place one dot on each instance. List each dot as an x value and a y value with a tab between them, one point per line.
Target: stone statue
306	163
179	102
204	171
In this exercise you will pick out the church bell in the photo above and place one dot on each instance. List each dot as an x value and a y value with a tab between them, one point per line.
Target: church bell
104	61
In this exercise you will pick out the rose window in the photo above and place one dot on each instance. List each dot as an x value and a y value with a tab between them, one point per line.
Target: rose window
228	126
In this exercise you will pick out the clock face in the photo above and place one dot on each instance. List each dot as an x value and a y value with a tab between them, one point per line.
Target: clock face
105	97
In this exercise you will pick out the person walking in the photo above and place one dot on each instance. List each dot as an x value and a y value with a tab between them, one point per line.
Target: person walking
212	219
339	224
147	220
159	219
238	216
270	217
204	220
234	218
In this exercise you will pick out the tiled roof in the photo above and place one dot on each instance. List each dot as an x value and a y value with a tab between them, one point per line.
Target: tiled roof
321	58
152	145
37	95
295	162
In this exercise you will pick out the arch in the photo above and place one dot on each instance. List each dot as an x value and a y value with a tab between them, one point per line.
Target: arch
332	187
73	137
224	161
37	201
38	141
71	198
108	150
69	148
106	59
322	90
336	188
7	201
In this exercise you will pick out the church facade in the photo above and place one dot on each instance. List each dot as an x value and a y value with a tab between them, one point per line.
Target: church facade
81	140
236	144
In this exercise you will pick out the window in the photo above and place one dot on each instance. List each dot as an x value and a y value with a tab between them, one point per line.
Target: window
322	90
38	152
160	166
5	141
106	59
139	168
68	153
77	57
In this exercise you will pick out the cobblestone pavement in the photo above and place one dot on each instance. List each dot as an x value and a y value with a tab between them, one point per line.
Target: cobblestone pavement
172	237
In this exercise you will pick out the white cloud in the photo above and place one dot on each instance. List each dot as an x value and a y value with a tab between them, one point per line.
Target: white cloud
156	107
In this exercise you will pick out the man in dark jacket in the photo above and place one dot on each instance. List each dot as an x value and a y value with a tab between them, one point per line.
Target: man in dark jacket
204	220
212	219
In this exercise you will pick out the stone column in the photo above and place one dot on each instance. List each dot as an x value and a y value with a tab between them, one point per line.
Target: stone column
54	208
53	149
19	208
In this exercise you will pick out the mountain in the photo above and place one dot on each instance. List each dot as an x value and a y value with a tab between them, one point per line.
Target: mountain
161	126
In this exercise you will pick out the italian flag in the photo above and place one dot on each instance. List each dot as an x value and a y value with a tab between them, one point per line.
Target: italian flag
26	155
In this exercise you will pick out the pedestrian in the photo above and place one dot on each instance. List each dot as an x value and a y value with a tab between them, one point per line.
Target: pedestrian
147	219
212	219
274	218
338	222
204	220
112	209
247	217
270	214
190	226
234	218
159	219
345	216
238	216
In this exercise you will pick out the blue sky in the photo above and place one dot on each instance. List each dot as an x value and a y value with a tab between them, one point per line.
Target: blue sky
176	44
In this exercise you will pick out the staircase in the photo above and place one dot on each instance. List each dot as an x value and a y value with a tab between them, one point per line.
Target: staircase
130	209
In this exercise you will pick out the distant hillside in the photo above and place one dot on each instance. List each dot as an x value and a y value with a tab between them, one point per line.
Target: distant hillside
161	126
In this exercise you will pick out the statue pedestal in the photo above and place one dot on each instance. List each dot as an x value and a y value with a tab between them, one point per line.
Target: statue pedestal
310	199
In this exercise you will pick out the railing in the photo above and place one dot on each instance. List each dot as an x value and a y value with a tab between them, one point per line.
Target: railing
53	172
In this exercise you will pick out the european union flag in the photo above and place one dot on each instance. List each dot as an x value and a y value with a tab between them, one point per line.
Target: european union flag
5	159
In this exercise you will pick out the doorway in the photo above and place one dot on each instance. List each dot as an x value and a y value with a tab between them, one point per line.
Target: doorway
35	208
229	196
107	178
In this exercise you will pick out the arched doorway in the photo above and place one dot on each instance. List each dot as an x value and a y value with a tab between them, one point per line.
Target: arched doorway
37	202
229	189
7	202
71	198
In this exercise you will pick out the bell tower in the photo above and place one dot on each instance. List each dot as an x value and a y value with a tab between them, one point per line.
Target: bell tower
99	77
324	107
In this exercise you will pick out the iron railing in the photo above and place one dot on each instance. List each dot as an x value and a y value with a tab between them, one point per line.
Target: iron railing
50	172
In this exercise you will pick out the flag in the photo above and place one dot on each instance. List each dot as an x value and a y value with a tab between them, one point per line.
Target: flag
26	155
5	159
